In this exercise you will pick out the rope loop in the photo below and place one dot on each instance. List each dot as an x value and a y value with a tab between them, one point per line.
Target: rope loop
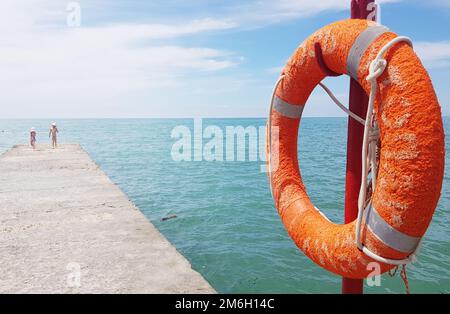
392	272
403	276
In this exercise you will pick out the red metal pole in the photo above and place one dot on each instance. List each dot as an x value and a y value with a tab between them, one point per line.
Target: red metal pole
358	104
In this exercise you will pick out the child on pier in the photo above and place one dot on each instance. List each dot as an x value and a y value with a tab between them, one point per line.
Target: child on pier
52	133
33	138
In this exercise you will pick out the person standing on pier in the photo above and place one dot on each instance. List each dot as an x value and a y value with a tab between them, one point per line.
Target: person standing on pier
53	134
33	138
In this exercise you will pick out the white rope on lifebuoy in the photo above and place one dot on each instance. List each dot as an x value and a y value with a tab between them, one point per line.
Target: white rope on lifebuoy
376	69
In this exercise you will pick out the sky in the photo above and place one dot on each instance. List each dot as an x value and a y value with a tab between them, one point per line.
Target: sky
180	58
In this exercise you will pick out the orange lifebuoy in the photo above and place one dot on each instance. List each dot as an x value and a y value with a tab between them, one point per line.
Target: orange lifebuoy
411	159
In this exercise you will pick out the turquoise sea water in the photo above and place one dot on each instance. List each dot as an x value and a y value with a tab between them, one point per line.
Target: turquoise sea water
226	224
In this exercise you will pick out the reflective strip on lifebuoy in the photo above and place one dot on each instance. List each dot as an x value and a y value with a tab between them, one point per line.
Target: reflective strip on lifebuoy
359	47
411	151
288	110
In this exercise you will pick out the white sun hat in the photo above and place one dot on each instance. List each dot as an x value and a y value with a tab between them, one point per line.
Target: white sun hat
53	123
33	130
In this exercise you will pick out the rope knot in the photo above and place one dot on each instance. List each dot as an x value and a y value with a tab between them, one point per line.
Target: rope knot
376	68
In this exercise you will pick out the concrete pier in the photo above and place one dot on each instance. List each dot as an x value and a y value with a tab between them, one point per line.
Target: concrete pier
65	227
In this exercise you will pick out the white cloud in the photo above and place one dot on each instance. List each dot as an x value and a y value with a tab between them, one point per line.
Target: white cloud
434	54
132	32
47	67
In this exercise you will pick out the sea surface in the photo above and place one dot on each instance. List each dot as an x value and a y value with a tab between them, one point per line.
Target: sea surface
226	224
